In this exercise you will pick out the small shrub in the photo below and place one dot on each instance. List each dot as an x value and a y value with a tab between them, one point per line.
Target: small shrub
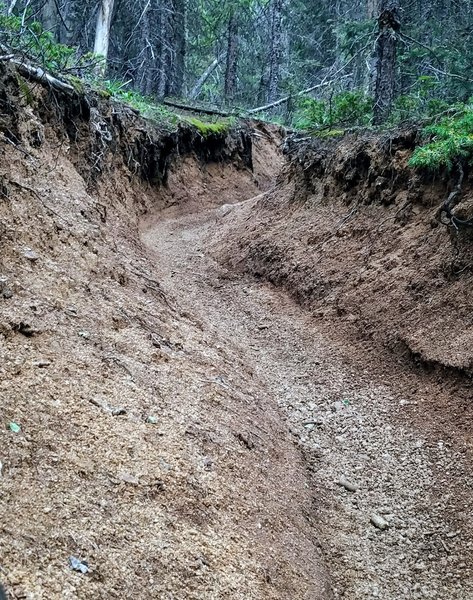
420	103
449	141
344	109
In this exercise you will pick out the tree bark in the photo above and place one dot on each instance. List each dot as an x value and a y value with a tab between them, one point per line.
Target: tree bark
49	16
385	57
276	51
232	59
372	9
146	71
164	57
71	24
102	31
194	94
179	43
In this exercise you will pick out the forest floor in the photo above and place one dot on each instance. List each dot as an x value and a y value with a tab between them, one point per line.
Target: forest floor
356	415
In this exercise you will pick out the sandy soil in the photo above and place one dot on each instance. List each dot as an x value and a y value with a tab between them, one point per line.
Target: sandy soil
357	415
187	430
132	438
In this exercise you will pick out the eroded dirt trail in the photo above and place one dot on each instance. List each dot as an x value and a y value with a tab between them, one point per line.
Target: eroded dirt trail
349	424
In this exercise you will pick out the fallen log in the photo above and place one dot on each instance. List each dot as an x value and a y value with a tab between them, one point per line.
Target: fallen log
205	111
39	74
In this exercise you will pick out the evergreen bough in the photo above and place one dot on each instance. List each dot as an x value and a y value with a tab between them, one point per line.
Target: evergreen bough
450	142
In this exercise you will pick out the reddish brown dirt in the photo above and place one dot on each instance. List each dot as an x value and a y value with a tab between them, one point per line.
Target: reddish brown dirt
185	421
148	447
350	234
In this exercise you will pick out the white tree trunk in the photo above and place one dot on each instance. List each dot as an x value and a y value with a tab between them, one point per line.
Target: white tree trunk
102	32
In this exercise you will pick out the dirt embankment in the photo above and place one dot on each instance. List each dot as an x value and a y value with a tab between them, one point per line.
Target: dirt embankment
129	440
351	233
355	237
384	441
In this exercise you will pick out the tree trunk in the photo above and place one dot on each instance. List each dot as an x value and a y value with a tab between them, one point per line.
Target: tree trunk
385	57
372	9
179	43
164	57
71	24
232	59
10	6
147	69
102	31
49	16
277	49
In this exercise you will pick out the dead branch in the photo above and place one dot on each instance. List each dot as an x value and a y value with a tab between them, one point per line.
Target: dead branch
323	83
254	111
38	74
205	111
205	75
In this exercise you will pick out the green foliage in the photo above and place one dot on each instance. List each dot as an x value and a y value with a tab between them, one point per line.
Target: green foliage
147	107
30	39
25	89
352	35
450	141
422	102
346	108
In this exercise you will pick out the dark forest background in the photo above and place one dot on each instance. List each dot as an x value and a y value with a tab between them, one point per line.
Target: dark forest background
319	62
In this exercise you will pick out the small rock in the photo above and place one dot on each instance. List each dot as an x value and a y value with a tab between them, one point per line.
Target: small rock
379	522
208	463
452	534
314	423
42	364
152	420
84	334
7	294
128	478
14	427
348	485
31	255
1	468
78	565
246	440
25	329
115	411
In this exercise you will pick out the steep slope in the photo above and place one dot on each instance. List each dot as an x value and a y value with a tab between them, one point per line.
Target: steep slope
352	232
131	438
380	367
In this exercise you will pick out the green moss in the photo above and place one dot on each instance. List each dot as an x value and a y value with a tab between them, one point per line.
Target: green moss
25	89
206	129
77	84
330	133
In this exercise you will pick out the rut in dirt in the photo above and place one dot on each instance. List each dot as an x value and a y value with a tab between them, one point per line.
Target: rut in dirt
174	418
381	487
